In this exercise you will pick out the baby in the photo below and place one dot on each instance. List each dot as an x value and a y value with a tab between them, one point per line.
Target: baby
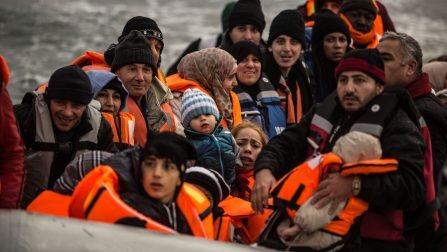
215	145
351	148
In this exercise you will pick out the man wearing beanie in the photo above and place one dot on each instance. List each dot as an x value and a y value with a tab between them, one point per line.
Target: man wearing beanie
149	28
246	22
56	126
402	56
214	144
148	98
284	67
359	104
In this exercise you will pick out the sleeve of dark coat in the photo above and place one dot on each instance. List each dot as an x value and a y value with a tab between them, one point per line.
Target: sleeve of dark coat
403	189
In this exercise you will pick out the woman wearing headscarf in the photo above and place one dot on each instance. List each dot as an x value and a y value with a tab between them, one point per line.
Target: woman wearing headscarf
284	67
213	71
260	103
330	42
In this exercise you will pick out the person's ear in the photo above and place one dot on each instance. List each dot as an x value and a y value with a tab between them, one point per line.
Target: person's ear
412	65
270	49
380	88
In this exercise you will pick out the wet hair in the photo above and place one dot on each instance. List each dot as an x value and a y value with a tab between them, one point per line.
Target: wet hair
409	47
251	125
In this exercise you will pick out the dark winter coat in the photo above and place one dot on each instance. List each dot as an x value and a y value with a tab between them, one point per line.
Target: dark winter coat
215	151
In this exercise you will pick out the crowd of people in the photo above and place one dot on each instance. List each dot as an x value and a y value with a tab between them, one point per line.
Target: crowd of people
328	136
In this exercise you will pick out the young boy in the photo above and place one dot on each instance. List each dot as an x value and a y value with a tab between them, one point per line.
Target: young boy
215	145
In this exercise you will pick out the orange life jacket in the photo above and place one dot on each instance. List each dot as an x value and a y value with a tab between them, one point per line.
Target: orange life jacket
234	211
297	186
50	202
96	198
91	61
140	133
178	84
123	126
161	76
169	125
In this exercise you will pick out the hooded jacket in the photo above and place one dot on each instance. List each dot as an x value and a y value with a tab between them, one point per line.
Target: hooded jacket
215	150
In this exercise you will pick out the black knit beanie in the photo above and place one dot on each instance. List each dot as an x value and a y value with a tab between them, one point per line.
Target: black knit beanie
70	83
328	22
172	146
134	49
290	23
148	27
209	180
247	12
319	4
367	61
242	49
367	5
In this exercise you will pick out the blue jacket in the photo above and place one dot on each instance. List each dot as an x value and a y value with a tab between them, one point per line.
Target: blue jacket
215	150
266	110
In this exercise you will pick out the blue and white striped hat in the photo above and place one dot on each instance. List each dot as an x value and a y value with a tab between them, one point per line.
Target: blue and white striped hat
195	103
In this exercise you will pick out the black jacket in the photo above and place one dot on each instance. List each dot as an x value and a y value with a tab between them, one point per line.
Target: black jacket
435	116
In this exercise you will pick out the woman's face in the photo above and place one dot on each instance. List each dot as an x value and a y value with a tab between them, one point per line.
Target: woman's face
160	178
249	70
110	100
335	45
230	81
286	51
250	144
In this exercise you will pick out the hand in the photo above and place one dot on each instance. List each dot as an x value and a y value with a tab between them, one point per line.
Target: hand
264	181
287	232
334	189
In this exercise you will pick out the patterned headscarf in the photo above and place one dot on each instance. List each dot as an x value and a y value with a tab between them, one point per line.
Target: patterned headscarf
209	68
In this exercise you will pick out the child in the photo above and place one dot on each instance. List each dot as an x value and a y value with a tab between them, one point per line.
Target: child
349	149
214	144
250	138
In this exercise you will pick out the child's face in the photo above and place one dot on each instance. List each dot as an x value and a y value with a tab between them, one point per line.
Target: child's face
204	123
160	178
250	143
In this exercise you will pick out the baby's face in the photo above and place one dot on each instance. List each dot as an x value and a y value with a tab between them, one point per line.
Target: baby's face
204	123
